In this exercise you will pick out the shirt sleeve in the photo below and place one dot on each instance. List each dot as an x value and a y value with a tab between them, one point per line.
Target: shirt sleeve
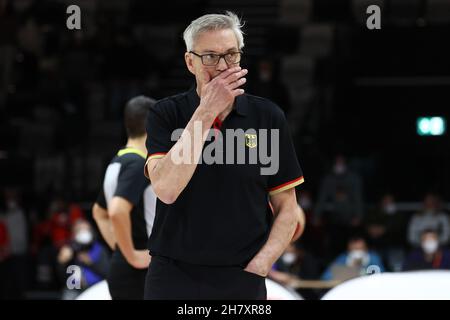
289	174
131	182
159	129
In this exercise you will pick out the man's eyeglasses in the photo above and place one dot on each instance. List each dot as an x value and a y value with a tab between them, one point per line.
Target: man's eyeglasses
212	59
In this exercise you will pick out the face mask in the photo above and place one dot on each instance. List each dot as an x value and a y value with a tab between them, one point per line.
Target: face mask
340	169
12	205
430	246
357	255
289	258
84	237
390	209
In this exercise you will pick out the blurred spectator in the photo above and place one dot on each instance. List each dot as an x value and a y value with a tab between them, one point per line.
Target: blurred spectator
16	225
386	231
268	84
314	235
296	264
63	217
49	235
85	252
430	256
432	217
357	261
341	197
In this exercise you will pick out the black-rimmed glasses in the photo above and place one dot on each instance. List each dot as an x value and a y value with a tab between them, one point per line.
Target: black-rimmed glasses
212	59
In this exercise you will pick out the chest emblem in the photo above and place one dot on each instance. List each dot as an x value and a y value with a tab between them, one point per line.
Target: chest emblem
251	140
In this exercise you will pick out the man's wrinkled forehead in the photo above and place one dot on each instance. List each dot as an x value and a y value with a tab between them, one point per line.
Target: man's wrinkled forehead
216	41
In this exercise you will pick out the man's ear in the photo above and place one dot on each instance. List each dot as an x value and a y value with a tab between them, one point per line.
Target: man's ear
189	62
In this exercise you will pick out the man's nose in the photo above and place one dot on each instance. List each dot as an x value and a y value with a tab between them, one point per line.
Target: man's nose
222	64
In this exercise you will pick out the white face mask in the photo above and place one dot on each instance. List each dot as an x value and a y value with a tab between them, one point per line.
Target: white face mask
340	168
84	237
12	205
358	255
390	209
430	246
289	258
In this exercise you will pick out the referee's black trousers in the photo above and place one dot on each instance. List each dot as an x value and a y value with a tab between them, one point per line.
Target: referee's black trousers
168	279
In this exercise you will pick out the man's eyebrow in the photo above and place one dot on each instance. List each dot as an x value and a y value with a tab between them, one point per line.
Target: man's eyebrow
234	49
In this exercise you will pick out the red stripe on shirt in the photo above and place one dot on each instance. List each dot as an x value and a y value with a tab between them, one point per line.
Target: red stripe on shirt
285	184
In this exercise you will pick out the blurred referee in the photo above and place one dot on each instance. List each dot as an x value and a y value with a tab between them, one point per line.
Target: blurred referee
125	207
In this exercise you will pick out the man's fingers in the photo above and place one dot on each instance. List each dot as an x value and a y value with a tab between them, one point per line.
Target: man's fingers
227	72
237	92
205	76
235	76
237	83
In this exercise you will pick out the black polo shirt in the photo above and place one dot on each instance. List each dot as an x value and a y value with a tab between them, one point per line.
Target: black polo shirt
223	216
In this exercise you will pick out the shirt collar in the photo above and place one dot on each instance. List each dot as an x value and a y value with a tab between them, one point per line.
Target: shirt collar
240	103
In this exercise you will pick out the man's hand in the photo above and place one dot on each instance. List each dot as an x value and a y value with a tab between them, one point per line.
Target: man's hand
219	93
168	178
119	211
261	269
141	259
287	215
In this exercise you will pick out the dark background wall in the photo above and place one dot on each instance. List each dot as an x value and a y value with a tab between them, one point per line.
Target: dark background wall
351	89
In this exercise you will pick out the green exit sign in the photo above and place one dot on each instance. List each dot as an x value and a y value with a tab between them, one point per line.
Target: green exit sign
431	126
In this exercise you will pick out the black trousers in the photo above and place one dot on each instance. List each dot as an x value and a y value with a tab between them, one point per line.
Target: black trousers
124	281
168	279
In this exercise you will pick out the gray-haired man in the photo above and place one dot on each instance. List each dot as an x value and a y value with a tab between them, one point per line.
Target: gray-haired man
216	235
